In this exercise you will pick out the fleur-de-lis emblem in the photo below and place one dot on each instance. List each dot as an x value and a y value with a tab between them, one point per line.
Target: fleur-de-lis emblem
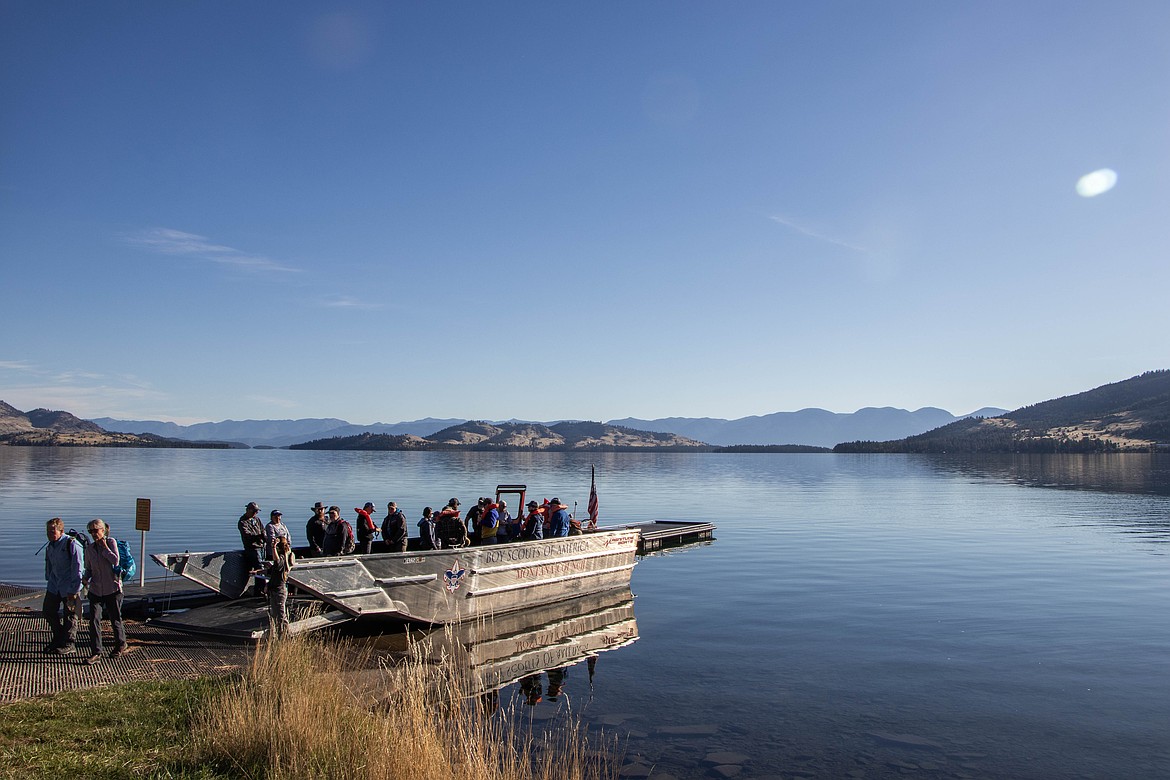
453	576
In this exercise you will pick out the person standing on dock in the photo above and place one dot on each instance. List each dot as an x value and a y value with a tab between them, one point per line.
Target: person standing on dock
251	536
366	530
315	530
276	529
105	590
279	565
426	531
394	529
64	568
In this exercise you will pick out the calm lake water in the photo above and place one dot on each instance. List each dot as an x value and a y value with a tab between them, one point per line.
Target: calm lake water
858	615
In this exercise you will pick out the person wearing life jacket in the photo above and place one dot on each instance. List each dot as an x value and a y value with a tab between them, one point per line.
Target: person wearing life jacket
546	512
533	523
449	527
558	524
489	523
366	530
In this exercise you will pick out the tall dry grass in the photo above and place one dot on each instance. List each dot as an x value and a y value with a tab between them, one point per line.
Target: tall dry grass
308	708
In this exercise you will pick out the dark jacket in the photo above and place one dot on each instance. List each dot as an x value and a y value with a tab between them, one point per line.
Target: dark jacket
450	530
394	531
315	532
426	534
339	538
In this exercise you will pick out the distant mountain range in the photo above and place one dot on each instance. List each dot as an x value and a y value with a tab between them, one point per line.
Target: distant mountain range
479	435
815	427
45	428
273	433
1131	415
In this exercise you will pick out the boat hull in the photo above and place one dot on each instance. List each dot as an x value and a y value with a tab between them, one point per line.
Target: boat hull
441	586
452	586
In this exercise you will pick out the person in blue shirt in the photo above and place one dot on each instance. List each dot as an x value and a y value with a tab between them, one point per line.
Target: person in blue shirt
489	523
559	521
64	564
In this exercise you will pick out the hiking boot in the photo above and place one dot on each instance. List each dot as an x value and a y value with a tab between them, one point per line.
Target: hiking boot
93	659
66	650
120	650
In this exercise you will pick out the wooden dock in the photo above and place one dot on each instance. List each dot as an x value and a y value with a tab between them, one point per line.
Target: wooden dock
659	534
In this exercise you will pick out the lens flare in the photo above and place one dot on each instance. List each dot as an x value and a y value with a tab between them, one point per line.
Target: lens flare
1096	183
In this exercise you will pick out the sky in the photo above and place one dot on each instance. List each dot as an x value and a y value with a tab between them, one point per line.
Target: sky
394	210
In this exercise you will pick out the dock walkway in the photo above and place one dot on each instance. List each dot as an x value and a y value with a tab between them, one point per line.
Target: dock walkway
157	654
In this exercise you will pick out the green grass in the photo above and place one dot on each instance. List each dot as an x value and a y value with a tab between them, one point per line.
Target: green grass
133	730
304	709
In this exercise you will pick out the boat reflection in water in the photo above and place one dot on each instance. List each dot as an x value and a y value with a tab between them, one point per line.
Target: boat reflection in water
522	646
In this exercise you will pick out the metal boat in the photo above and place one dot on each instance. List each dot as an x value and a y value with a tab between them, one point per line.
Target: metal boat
453	585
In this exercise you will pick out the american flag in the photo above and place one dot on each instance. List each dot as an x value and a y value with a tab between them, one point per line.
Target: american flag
593	497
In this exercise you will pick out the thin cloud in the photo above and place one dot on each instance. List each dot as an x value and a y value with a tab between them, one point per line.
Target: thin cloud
84	393
167	241
805	230
349	303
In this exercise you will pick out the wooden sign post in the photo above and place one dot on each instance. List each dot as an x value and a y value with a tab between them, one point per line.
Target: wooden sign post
142	523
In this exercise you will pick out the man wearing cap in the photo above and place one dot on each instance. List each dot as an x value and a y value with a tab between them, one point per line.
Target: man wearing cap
252	536
534	523
366	530
449	527
276	529
338	534
394	529
559	520
315	530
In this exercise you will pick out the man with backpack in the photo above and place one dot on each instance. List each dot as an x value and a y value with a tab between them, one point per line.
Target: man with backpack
64	566
105	589
338	534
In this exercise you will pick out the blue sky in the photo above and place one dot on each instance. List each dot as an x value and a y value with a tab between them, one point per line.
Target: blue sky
386	211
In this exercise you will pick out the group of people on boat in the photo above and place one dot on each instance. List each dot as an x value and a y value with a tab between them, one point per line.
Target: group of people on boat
490	522
328	533
269	556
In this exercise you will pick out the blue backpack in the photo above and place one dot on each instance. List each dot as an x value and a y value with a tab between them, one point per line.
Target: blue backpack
126	567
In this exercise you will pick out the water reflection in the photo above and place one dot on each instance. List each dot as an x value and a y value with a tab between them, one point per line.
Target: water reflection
522	646
1136	472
